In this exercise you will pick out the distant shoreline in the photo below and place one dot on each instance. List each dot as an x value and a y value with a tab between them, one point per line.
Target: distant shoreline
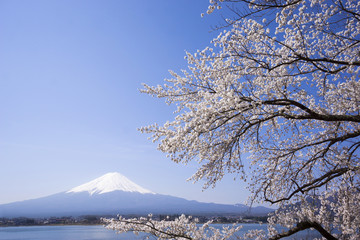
51	225
96	220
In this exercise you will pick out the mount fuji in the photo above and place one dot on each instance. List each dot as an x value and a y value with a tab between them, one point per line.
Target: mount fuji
113	194
108	183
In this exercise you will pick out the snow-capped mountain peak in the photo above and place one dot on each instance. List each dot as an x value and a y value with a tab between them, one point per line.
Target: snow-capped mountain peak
108	183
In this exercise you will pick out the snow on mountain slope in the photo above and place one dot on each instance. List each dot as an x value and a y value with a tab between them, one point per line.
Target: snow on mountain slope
108	183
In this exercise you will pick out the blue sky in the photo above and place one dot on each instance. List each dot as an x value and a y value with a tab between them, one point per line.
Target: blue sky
70	72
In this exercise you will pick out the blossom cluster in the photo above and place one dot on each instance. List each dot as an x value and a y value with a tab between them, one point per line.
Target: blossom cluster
181	228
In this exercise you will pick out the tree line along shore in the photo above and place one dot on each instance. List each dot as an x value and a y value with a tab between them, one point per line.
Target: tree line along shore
96	220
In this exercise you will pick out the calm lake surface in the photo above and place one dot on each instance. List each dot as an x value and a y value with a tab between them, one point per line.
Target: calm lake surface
92	233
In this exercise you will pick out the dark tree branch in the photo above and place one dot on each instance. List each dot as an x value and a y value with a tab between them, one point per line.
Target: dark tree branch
328	60
158	231
311	114
303	226
316	183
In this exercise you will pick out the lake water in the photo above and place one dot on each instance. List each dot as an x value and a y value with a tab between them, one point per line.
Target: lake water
91	233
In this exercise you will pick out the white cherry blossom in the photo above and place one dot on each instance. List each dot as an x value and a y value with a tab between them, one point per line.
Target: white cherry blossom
279	89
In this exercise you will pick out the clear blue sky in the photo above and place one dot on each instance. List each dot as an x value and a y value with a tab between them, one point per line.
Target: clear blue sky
69	101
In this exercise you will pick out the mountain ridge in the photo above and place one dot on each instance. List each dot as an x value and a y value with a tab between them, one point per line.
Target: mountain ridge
107	196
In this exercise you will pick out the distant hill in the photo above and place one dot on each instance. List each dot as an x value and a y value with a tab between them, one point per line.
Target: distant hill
114	194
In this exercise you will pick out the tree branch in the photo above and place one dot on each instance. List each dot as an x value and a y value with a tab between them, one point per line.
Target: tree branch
303	226
318	182
311	114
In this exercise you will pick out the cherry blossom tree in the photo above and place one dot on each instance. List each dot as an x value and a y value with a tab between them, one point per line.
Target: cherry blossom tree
181	228
275	100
